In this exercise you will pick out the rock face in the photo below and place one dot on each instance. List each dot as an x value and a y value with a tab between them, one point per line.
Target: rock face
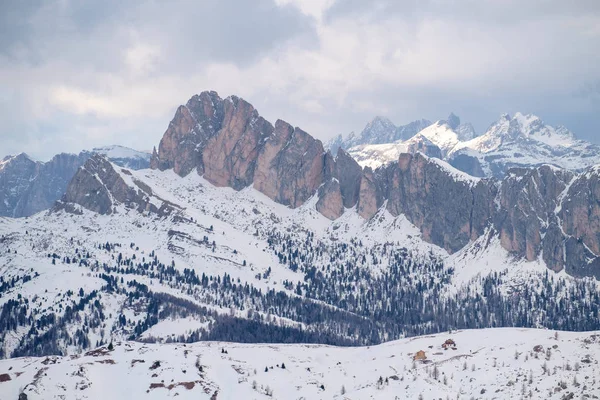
193	125
231	145
230	157
370	195
528	198
448	211
349	174
28	187
537	212
98	187
330	202
290	166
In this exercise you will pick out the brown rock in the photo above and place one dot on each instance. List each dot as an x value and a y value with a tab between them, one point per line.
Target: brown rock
449	212
290	166
580	210
330	202
349	175
528	198
99	188
184	140
230	157
370	197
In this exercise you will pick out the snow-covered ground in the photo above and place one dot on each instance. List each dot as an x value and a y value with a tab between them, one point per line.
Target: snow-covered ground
483	364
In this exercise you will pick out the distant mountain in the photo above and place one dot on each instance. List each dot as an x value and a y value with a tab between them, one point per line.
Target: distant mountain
125	157
381	141
379	130
518	141
28	186
435	140
376	155
249	231
522	141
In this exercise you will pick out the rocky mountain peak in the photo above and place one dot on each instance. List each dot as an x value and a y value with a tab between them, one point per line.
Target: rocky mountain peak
379	130
453	121
234	146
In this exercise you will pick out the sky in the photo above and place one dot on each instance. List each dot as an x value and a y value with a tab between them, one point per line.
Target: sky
80	74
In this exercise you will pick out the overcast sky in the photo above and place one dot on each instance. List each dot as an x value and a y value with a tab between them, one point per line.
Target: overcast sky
78	74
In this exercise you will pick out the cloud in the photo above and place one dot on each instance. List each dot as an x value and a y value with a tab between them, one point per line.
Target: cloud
104	72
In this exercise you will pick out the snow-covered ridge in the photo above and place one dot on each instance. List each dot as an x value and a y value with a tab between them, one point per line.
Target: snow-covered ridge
523	140
378	131
120	152
376	155
488	363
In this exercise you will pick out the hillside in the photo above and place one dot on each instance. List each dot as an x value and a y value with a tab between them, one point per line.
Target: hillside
243	231
483	364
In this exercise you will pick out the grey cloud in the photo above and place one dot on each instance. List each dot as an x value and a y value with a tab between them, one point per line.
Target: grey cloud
216	30
533	60
485	11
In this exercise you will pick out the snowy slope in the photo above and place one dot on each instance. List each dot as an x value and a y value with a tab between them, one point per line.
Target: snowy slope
523	140
442	135
483	364
526	141
85	279
378	131
436	140
376	155
216	231
125	156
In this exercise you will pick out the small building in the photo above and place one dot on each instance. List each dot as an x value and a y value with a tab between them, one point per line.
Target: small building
419	356
448	344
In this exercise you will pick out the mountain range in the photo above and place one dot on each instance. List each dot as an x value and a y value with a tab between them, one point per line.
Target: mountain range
28	186
246	231
518	141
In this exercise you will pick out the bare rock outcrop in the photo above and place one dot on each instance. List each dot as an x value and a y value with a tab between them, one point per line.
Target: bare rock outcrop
580	209
349	175
528	198
450	212
229	158
330	202
182	145
98	187
290	165
370	194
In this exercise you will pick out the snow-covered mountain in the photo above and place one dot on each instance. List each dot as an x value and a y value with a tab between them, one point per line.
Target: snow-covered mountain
28	186
379	131
243	231
434	140
376	155
523	141
483	364
518	141
165	258
124	156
